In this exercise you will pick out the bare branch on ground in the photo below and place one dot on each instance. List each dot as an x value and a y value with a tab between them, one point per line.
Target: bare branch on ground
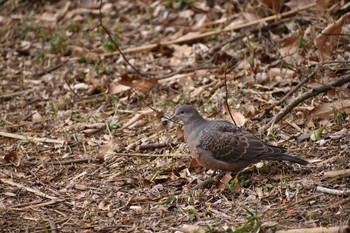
301	98
338	229
28	189
29	138
337	173
291	92
333	191
216	32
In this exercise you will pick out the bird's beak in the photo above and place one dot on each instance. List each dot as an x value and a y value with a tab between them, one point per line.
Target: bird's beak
173	117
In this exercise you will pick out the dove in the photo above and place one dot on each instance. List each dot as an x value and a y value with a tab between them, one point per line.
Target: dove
220	145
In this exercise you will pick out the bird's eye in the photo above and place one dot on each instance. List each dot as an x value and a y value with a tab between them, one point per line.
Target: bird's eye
182	112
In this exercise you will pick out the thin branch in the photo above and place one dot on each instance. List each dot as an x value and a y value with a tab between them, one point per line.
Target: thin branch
155	110
228	66
153	155
338	229
126	60
337	173
291	92
301	98
115	43
50	69
216	32
21	137
246	33
28	189
186	70
63	162
69	86
345	192
153	146
203	184
41	204
8	95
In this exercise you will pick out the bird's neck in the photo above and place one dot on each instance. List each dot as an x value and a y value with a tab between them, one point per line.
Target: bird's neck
193	124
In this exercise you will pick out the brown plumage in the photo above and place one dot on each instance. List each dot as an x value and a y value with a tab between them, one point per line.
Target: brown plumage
220	145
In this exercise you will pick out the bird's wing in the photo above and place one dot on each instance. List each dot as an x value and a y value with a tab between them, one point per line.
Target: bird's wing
229	143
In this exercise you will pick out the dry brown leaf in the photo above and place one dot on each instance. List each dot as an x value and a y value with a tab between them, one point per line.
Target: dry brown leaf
180	136
90	131
250	110
273	4
279	75
192	229
12	157
140	85
36	117
327	41
193	164
106	151
225	179
324	110
93	128
294	4
183	54
337	135
322	7
289	45
238	118
116	88
134	119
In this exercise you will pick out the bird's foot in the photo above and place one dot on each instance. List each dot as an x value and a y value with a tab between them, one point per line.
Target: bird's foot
210	181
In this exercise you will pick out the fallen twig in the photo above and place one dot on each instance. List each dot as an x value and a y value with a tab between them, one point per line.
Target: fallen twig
313	92
63	162
203	184
50	69
153	155
338	229
291	92
328	161
298	202
69	86
212	33
226	105
153	146
8	95
333	191
28	189
115	43
29	138
336	173
244	34
41	204
53	227
187	70
337	204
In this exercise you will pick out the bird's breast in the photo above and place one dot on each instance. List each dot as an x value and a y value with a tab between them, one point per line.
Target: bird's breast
192	139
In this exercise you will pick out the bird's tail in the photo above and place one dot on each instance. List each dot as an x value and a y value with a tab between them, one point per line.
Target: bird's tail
281	157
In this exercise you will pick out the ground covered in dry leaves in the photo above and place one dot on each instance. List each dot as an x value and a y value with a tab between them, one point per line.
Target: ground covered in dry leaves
81	151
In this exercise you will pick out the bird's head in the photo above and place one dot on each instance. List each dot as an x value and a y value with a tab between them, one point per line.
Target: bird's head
186	114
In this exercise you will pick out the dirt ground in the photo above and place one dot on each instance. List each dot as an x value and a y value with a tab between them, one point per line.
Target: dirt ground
85	145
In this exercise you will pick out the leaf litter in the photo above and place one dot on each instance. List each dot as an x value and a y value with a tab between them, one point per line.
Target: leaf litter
81	151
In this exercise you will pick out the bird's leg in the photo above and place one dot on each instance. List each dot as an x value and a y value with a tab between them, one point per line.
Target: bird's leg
221	175
213	179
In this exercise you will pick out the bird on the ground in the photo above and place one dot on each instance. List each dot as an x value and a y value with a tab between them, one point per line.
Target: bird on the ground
220	145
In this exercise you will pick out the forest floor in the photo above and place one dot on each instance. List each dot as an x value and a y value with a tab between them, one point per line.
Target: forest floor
82	151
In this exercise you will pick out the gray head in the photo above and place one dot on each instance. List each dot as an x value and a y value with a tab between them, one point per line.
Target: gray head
186	114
